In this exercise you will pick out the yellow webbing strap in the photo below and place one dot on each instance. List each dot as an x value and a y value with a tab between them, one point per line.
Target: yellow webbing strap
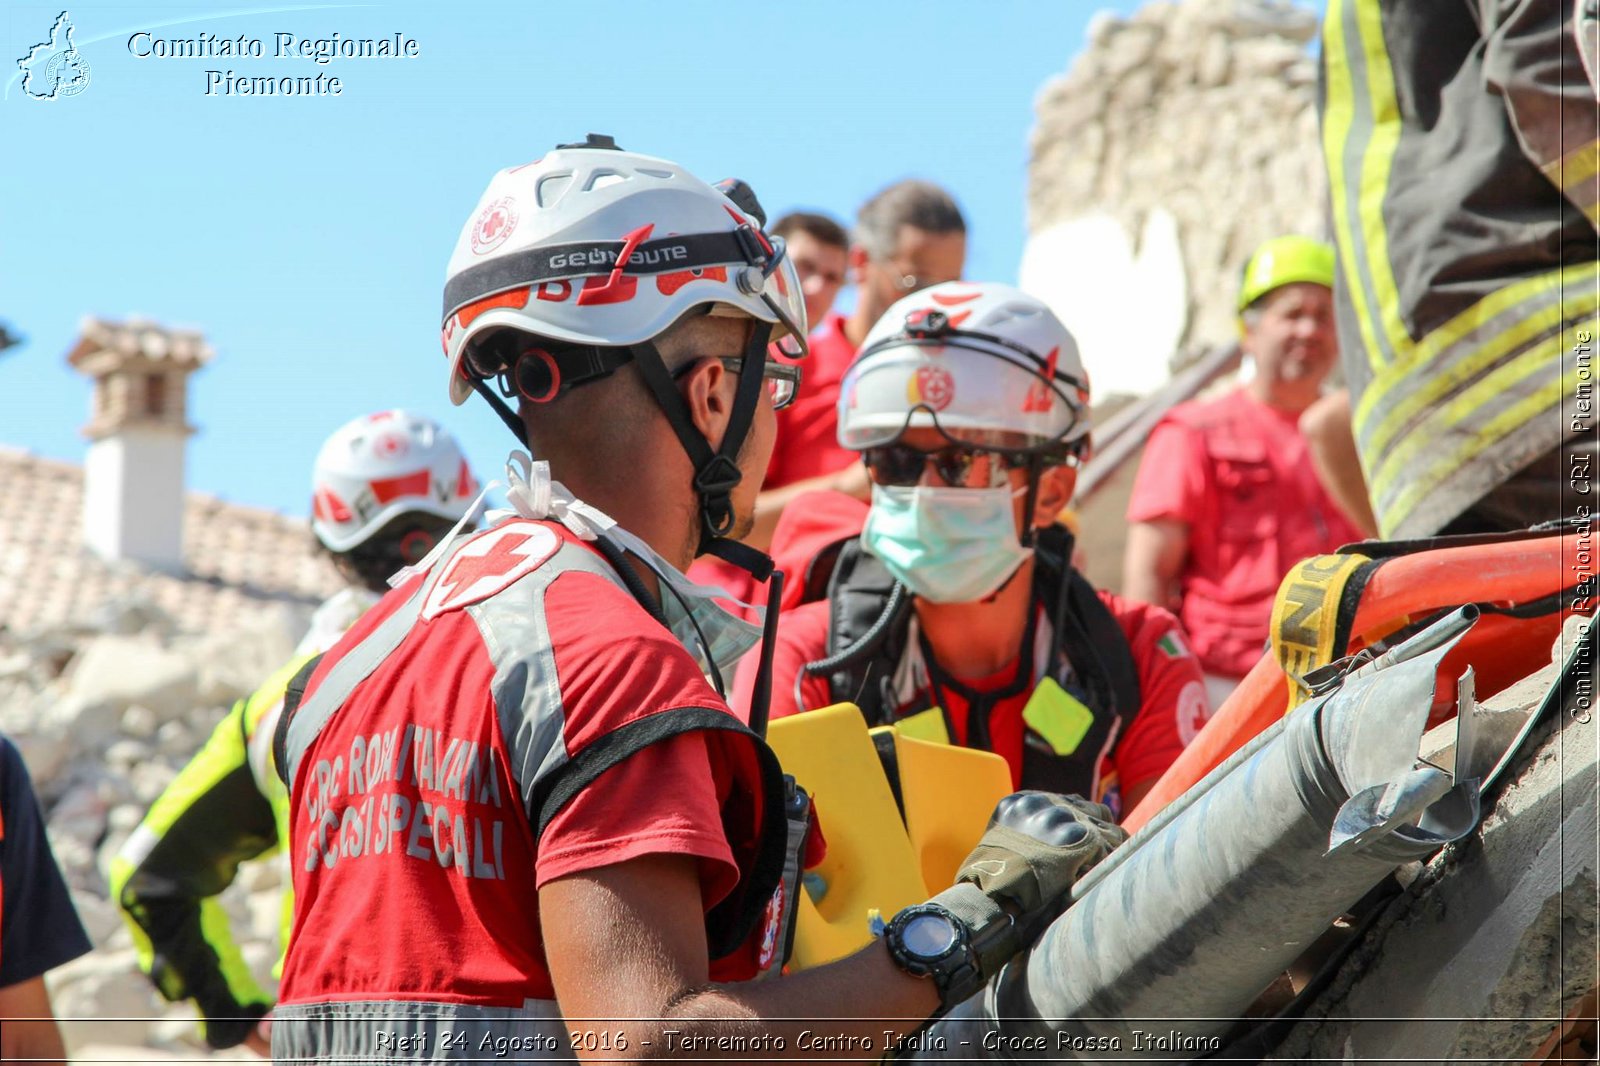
1305	617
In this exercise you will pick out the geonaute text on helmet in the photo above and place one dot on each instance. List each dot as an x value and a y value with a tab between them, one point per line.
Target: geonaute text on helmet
604	257
319	50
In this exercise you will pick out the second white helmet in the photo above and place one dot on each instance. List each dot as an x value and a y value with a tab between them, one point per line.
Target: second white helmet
382	465
981	362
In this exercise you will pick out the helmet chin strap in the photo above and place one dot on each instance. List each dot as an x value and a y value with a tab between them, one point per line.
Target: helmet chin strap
1029	502
503	409
717	471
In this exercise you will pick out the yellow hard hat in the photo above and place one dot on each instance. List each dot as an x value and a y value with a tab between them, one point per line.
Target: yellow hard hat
1284	261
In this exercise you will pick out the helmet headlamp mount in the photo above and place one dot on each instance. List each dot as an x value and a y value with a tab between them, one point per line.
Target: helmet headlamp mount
924	323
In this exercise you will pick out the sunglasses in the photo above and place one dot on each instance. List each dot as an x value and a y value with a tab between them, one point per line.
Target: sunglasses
783	379
902	465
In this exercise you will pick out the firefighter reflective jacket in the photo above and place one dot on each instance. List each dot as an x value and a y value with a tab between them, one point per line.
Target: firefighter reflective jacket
1460	142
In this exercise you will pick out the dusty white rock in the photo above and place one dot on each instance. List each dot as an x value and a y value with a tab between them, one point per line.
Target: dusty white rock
130	615
125	670
140	722
123	818
122	755
99	915
44	751
264	875
150	780
81	812
232	665
1206	110
103	998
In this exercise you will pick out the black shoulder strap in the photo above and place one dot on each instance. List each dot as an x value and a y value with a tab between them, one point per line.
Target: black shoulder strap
293	693
859	590
732	920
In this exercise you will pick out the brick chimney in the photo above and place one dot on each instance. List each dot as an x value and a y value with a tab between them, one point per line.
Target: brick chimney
137	430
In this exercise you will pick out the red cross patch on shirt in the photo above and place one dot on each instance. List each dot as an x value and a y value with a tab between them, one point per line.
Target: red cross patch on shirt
491	561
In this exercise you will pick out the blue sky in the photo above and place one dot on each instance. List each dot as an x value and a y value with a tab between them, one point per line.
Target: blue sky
307	237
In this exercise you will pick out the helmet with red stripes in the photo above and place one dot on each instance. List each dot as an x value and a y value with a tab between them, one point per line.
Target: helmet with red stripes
595	246
573	265
983	363
383	465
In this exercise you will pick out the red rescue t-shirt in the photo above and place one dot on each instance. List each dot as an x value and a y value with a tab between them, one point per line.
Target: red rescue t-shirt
1173	696
808	429
1238	473
415	865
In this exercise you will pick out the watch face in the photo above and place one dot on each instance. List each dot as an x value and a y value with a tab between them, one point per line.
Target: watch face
929	936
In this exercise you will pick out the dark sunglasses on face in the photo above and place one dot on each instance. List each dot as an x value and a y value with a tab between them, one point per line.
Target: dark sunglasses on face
783	379
902	465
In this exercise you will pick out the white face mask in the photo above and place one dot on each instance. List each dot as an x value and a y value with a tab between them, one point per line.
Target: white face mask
947	545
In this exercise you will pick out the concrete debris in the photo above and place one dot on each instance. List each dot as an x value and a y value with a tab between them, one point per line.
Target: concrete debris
106	712
1211	95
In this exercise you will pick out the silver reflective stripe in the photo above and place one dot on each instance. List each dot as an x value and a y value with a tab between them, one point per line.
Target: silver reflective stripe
354	667
372	1031
527	692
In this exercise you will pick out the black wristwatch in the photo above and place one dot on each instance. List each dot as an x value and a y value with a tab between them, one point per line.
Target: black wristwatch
927	940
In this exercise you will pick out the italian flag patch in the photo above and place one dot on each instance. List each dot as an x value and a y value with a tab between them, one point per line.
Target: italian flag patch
1173	645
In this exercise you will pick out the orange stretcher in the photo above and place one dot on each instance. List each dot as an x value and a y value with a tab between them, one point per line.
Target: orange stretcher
1526	586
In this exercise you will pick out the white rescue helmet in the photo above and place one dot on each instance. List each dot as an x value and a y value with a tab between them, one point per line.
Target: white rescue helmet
592	245
382	465
983	363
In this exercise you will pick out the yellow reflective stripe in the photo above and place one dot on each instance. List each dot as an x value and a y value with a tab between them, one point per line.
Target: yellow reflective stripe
1578	292
1336	121
1432	384
1402	462
1375	166
144	950
1571	277
1577	166
219	936
1492	431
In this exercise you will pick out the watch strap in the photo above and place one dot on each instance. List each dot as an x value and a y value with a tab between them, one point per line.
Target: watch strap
992	937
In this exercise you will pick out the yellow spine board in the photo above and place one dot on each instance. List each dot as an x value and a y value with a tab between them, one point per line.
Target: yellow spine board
876	863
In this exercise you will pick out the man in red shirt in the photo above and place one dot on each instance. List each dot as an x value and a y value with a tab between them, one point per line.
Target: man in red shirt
959	608
1227	499
524	823
820	248
908	236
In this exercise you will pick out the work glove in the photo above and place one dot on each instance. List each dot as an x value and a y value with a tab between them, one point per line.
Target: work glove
1018	879
1036	847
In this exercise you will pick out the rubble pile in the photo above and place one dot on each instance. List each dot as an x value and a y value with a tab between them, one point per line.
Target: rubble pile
1203	111
105	713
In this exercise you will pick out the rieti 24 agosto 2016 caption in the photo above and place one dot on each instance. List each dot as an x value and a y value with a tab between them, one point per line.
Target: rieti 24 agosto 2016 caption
317	51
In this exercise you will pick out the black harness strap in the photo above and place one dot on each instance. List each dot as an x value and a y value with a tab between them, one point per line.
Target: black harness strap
730	922
293	694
